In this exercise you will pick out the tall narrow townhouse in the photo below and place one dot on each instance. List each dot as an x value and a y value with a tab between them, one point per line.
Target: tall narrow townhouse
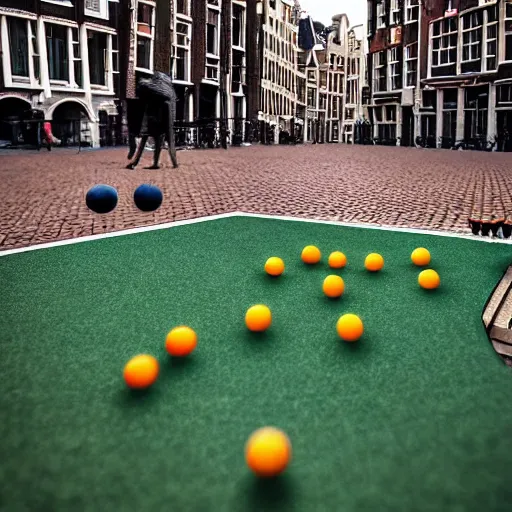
280	109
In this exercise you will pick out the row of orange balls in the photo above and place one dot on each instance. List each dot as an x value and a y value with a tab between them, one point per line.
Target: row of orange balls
334	286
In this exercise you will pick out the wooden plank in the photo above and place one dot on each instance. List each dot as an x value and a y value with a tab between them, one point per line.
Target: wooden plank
497	298
501	334
502	348
504	313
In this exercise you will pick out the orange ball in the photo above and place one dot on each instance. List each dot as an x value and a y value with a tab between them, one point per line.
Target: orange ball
274	266
333	286
420	257
181	341
374	262
429	279
337	260
350	327
141	371
311	255
268	452
258	318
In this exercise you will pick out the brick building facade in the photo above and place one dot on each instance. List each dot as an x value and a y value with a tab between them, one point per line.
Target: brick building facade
60	59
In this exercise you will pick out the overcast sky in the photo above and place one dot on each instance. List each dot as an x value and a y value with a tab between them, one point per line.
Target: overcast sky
324	10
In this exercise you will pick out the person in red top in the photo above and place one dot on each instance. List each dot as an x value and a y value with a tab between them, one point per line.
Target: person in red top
48	136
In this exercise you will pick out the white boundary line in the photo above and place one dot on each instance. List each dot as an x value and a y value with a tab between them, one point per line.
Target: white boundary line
197	220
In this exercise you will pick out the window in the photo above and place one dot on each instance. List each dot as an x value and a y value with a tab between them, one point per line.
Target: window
144	53
183	7
238	70
145	36
450	115
381	14
182	55
472	36
505	94
76	57
237	32
411	10
18	41
212	68
411	64
475	112
444	43
23	49
395	75
491	39
395	13
97	49
57	50
391	113
212	45
508	30
96	8
379	75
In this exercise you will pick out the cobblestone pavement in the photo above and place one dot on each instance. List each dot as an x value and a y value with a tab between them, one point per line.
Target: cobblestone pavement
42	194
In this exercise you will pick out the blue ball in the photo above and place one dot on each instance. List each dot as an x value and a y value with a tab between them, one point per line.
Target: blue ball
101	198
148	198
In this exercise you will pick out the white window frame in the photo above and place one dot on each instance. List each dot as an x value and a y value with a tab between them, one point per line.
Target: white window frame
103	12
407	60
186	47
242	25
150	36
410	7
107	56
378	68
63	3
109	59
442	48
187	15
395	12
393	66
486	54
474	44
213	60
381	14
11	80
70	83
506	34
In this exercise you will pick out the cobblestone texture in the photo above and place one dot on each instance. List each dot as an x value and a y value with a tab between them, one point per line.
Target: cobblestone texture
42	194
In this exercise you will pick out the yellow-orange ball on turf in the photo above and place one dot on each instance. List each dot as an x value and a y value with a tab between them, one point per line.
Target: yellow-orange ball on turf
258	318
420	257
350	327
141	371
181	341
274	266
311	255
268	452
429	279
374	262
333	286
337	260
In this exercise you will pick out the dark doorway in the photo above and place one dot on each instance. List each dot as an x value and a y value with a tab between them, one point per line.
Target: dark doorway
70	124
11	113
428	129
208	102
504	120
407	127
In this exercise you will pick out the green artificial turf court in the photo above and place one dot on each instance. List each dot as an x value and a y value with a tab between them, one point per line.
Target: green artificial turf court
415	416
